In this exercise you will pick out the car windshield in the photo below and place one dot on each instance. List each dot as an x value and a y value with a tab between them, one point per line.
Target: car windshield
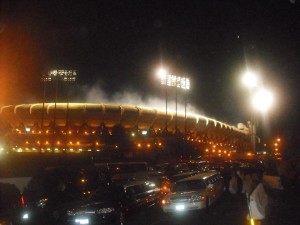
102	195
190	185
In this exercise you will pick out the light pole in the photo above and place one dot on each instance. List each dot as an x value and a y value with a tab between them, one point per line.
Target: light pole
186	85
162	73
261	99
249	80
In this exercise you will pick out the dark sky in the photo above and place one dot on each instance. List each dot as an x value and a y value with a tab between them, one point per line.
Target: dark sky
117	45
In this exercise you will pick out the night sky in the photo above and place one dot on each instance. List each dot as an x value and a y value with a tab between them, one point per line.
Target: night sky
116	46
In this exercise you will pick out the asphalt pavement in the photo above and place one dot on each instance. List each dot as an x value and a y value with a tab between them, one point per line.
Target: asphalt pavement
284	209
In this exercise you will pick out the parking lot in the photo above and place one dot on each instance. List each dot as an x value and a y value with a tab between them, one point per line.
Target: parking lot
230	210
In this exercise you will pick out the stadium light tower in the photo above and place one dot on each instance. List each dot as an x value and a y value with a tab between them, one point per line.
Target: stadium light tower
179	82
56	76
162	73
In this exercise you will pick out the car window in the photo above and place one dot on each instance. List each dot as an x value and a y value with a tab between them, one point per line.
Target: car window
189	185
103	195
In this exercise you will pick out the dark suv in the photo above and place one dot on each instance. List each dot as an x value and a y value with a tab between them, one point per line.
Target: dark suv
52	188
113	204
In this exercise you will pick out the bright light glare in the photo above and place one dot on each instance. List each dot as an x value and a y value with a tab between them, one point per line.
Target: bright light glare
82	221
179	207
162	73
263	100
250	79
25	216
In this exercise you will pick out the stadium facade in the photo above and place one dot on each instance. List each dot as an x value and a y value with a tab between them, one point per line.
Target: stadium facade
81	127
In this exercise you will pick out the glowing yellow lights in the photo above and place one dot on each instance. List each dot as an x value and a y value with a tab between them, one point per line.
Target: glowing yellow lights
148	145
213	150
206	150
159	144
219	151
27	142
163	202
278	139
132	134
47	131
47	142
87	193
69	132
58	142
70	142
116	146
78	143
139	145
97	143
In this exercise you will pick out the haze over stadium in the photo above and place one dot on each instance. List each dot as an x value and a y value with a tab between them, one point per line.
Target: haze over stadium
117	47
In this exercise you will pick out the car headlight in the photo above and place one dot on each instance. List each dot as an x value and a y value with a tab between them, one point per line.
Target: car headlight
197	198
105	210
42	202
25	216
82	221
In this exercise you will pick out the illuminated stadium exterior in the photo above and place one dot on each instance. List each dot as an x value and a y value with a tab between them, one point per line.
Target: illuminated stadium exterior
81	127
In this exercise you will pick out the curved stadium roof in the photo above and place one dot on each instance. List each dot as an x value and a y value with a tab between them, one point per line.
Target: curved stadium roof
93	115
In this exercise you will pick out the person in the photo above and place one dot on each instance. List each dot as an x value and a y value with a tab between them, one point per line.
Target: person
247	183
233	183
257	200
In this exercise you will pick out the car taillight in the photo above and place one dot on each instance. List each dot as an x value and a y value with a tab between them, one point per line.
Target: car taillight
22	201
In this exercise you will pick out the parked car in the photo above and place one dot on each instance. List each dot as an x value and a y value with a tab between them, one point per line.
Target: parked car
125	170
201	166
113	204
180	176
172	169
53	187
194	193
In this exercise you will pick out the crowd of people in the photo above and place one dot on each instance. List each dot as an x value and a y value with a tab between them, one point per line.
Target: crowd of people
259	180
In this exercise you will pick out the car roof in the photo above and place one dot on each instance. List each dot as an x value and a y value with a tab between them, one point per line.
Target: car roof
126	183
199	176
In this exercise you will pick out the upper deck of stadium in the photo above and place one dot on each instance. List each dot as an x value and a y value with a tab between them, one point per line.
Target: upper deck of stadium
31	118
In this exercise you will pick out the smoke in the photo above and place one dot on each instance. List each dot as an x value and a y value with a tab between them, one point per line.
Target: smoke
96	94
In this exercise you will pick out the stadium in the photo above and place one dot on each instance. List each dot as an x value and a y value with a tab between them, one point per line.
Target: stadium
90	127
